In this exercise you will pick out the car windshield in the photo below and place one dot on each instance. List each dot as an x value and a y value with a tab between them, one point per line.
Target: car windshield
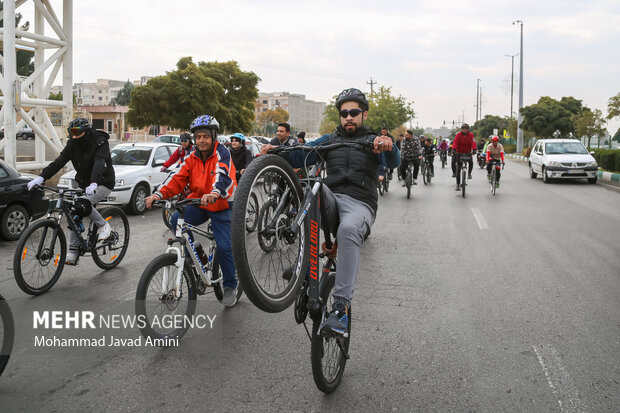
132	155
557	148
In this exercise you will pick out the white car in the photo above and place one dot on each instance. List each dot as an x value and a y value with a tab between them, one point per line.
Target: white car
562	158
137	169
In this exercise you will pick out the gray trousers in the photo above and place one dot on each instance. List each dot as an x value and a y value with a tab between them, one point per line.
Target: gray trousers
100	194
354	219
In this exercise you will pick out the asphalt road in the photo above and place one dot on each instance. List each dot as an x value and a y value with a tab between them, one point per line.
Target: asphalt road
505	303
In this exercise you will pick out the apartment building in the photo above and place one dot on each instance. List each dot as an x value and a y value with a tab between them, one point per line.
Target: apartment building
304	114
99	93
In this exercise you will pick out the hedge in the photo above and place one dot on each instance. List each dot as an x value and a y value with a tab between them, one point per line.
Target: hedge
608	159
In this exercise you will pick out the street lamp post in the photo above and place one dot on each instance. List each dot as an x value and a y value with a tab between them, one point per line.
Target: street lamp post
512	75
520	116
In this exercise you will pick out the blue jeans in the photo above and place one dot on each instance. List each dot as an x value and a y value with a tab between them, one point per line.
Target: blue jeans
220	223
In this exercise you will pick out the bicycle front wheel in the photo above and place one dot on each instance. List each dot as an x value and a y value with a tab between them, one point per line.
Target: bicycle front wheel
493	181
159	299
270	261
328	353
109	253
40	257
7	333
463	181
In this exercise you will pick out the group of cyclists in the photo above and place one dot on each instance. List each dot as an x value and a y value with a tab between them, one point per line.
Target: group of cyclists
210	171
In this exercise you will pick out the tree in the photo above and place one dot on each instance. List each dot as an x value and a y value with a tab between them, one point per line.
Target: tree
24	58
58	96
218	89
277	115
123	96
384	109
485	127
327	126
548	116
613	107
589	124
616	137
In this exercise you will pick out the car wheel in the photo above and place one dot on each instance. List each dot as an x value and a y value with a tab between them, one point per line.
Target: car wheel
533	174
14	221
546	179
137	204
592	180
24	136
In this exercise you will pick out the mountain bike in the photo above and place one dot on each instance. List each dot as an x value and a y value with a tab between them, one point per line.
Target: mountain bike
299	268
427	173
462	168
495	168
7	333
409	179
42	249
171	282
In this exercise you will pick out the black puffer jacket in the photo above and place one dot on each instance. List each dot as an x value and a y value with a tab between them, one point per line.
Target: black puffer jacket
90	156
353	171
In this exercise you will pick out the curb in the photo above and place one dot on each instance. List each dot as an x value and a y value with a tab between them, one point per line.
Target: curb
604	176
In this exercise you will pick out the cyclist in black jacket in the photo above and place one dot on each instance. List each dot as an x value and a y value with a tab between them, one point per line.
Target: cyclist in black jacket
89	152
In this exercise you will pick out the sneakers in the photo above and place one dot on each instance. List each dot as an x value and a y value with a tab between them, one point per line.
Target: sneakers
104	232
469	176
458	188
415	182
453	175
337	322
72	257
230	297
403	183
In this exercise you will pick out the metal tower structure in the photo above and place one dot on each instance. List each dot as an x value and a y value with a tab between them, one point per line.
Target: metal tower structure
28	97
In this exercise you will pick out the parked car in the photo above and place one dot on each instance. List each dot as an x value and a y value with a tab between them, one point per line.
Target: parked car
562	158
168	139
18	206
253	145
261	139
24	133
137	169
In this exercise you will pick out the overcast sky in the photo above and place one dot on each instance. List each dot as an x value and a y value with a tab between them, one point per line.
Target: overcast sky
431	52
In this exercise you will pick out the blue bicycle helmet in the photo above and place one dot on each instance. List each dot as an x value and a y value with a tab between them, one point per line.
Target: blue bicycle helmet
204	121
239	136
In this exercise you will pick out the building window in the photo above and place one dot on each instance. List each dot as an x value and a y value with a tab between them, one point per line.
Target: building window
100	98
264	102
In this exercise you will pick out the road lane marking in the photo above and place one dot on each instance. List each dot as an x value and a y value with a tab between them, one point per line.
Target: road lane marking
559	380
480	219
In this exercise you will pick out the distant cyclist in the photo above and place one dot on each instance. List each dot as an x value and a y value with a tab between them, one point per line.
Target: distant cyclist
428	151
89	152
411	152
181	153
463	146
495	151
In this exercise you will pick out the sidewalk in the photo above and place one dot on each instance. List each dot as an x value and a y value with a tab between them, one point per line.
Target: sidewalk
603	176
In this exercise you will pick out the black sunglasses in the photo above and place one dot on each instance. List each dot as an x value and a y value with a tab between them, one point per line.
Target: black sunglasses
353	112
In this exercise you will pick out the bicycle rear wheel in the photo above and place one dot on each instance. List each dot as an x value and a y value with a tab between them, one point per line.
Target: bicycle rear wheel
270	276
328	353
110	252
156	298
40	257
7	333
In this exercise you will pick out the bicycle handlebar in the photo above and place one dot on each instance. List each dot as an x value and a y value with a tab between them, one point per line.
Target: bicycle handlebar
175	204
322	148
78	191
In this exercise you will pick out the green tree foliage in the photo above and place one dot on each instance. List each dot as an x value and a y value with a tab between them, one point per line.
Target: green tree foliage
389	110
218	89
275	116
123	96
616	137
590	123
58	96
418	131
24	58
613	107
384	109
547	116
483	128
327	126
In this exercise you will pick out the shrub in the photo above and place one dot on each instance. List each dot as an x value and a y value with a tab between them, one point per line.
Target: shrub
526	151
608	159
510	148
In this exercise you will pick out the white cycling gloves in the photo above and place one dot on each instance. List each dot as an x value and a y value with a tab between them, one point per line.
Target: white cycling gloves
36	181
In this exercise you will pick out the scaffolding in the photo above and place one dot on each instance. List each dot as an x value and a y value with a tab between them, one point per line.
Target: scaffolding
28	97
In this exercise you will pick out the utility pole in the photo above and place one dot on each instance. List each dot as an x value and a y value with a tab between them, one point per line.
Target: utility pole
512	74
477	98
371	83
520	116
